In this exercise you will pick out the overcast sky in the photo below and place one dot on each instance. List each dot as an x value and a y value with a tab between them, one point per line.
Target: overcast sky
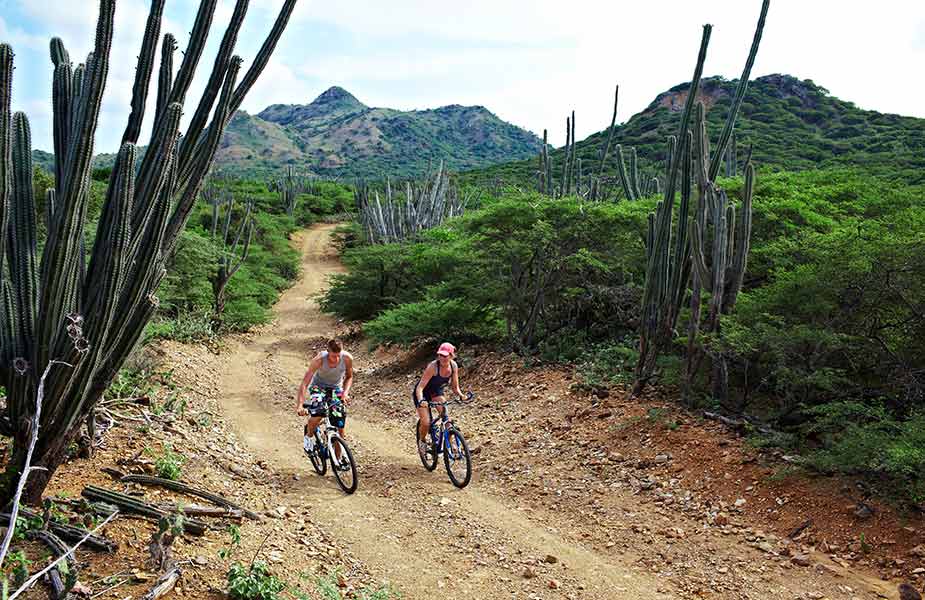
529	62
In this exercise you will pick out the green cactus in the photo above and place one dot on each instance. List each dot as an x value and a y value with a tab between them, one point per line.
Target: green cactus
289	188
230	258
667	272
91	313
628	190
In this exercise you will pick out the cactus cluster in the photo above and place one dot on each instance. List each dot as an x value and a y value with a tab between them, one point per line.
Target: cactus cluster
670	245
289	188
425	204
233	245
89	309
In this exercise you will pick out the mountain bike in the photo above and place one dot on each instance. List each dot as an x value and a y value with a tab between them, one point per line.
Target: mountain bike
330	446
445	438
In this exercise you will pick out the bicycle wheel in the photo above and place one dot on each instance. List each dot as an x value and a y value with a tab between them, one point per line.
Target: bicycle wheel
317	457
456	458
346	471
428	456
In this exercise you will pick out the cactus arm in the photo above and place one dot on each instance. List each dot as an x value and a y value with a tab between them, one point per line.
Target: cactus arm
6	148
21	235
200	167
742	242
165	76
143	72
621	171
62	93
634	173
194	48
263	56
61	260
610	132
214	84
740	90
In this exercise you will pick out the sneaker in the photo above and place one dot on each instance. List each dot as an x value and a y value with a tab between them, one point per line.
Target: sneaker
308	444
422	448
344	465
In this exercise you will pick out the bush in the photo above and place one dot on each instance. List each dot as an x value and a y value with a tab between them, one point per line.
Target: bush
858	438
169	465
434	319
253	583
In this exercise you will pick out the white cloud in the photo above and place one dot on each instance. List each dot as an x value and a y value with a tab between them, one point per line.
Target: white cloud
529	62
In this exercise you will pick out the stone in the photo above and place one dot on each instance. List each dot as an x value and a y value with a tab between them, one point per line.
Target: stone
529	573
550	559
801	560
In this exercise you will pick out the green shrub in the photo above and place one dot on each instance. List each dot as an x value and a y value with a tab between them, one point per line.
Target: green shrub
253	583
169	464
858	438
433	319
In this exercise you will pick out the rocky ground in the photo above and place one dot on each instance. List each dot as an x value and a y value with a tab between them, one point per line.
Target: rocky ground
574	494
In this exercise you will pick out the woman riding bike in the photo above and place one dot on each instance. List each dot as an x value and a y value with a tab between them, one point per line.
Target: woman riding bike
432	387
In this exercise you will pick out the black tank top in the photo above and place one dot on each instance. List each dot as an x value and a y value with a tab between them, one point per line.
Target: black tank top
437	383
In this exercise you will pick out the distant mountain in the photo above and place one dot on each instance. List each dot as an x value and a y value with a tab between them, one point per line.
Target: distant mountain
791	124
339	135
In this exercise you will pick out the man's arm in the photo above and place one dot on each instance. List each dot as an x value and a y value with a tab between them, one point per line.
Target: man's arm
312	367
348	377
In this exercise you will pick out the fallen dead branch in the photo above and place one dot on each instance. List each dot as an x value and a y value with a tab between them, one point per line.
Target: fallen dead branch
27	466
176	486
136	506
71	534
164	583
31	581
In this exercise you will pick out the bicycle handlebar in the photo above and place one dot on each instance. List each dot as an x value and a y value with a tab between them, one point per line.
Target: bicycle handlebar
470	396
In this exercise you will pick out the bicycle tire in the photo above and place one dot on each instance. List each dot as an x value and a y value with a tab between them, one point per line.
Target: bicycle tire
457	452
348	485
318	460
428	459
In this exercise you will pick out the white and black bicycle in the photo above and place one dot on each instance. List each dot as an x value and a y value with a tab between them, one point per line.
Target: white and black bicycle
330	446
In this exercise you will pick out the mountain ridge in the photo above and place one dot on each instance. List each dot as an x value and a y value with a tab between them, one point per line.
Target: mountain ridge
789	123
338	135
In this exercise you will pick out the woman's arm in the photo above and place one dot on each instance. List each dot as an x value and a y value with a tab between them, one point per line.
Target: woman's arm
456	380
428	373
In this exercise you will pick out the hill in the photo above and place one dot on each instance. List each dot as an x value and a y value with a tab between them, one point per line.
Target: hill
336	134
792	124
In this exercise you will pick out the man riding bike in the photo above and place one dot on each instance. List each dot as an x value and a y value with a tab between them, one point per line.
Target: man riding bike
329	376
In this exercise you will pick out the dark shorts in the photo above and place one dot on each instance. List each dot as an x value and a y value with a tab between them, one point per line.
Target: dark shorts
318	402
428	396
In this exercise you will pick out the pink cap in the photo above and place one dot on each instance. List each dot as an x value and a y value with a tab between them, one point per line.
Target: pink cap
446	349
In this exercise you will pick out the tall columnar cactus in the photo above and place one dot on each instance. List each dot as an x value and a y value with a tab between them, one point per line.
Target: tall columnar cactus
233	245
669	245
425	204
91	312
289	188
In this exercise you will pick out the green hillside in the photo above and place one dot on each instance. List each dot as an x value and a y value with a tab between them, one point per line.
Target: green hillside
337	135
792	125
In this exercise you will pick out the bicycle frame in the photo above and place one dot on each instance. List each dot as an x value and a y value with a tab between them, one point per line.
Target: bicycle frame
438	427
329	432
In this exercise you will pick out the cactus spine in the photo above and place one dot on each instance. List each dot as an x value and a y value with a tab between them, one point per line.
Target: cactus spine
91	313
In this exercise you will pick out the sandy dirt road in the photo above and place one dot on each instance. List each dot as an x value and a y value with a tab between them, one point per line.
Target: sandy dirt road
412	527
416	531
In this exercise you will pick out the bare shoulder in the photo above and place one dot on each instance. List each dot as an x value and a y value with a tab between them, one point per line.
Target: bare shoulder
348	357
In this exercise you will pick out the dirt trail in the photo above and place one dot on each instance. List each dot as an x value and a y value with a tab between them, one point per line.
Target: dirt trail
424	535
415	530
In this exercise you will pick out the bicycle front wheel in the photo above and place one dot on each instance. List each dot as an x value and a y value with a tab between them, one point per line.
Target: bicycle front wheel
317	456
456	458
345	468
428	453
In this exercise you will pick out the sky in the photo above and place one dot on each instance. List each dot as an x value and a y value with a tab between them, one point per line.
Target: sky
529	62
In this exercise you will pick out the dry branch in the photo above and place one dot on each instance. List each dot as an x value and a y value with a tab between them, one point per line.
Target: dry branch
164	583
183	488
139	507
